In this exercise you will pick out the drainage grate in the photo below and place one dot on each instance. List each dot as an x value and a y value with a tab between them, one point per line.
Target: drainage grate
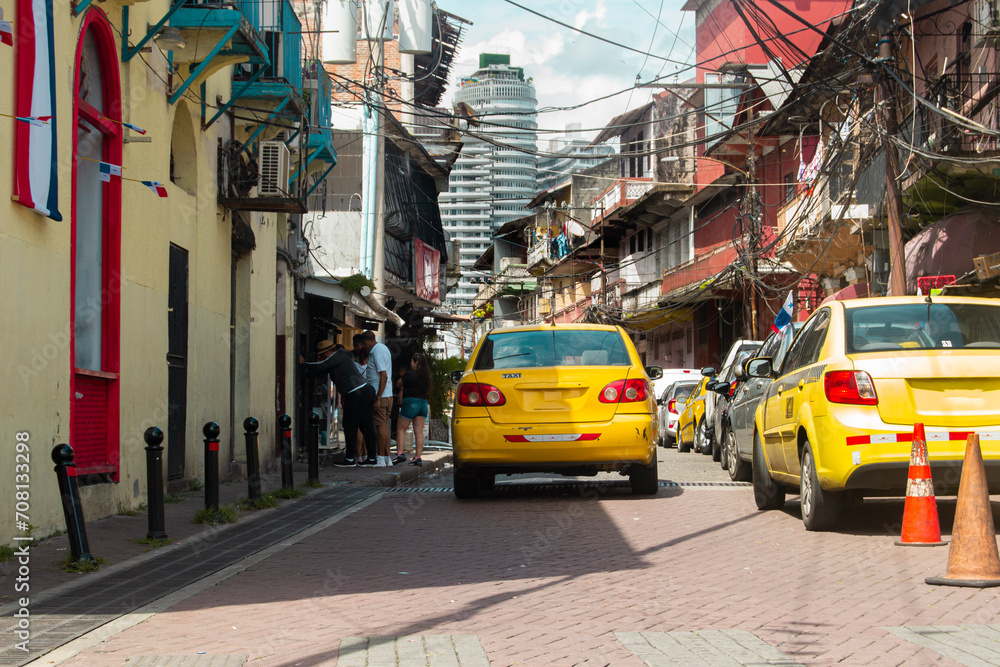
562	486
63	618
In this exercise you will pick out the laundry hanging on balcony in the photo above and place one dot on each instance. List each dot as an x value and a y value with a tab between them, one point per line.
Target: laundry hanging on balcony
560	246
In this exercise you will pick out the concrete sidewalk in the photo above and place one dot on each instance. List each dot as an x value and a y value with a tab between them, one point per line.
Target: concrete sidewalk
113	538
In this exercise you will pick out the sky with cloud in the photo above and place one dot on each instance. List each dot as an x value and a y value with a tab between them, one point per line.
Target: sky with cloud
570	68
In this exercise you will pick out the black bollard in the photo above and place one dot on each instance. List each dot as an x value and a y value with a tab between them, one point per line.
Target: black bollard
62	456
285	433
253	460
314	447
211	432
154	483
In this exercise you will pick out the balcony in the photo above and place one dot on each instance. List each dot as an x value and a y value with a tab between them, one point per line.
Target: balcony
275	87
623	192
812	233
541	257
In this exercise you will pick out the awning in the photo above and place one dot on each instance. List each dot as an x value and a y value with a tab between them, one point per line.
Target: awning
620	124
948	246
658	317
330	288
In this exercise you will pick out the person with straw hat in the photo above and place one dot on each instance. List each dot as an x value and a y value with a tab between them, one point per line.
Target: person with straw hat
357	396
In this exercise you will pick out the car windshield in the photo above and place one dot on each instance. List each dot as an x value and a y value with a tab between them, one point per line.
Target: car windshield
922	326
684	390
559	347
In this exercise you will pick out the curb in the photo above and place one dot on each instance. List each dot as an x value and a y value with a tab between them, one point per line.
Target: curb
406	473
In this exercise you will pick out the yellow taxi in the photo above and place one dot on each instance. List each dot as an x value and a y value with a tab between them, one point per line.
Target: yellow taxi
691	424
568	398
837	421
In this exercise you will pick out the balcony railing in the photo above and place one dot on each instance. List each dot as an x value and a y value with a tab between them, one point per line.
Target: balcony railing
623	192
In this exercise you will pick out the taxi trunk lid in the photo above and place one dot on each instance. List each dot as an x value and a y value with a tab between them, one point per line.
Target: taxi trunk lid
552	395
948	388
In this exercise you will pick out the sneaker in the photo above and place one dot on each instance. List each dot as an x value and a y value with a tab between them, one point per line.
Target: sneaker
368	462
381	462
416	461
346	463
400	458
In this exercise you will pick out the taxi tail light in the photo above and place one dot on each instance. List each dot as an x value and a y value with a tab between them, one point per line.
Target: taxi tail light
475	394
625	391
851	387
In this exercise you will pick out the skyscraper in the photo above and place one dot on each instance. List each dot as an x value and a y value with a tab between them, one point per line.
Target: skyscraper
495	175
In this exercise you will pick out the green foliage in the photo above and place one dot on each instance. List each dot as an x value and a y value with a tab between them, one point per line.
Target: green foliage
285	494
195	484
6	552
313	484
125	510
356	282
151	542
82	566
173	498
266	500
225	514
441	386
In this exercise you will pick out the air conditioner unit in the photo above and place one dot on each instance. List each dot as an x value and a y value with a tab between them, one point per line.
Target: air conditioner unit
986	23
272	165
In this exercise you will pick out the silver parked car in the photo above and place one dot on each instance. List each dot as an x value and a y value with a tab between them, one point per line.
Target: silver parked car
671	402
715	402
737	430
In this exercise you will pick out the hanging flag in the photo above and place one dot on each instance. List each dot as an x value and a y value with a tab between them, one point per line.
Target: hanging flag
156	187
134	128
784	316
37	121
36	154
108	170
6	32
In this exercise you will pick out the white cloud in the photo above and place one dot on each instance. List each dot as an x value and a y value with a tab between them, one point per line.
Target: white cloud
599	13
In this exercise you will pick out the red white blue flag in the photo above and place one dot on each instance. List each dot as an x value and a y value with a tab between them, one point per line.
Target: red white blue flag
134	128
36	156
156	187
107	170
784	316
6	31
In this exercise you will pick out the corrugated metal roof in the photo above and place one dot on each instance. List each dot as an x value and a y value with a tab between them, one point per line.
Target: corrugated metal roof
621	123
773	82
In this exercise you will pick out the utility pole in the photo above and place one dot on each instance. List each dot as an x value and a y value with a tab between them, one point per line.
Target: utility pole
754	232
897	254
604	271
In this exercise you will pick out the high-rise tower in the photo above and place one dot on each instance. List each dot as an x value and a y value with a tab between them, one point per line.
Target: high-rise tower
495	176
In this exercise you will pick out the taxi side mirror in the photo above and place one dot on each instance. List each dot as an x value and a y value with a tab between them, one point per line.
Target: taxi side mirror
708	371
456	376
654	372
759	367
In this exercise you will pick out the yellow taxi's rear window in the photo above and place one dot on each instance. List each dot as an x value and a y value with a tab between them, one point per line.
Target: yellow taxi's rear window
922	326
536	349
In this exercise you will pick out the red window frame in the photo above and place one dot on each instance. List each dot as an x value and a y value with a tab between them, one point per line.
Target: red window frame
103	383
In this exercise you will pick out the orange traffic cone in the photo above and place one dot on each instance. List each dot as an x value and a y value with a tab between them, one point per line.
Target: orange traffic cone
973	559
921	527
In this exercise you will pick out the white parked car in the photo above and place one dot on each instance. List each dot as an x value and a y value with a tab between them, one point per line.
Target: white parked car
671	402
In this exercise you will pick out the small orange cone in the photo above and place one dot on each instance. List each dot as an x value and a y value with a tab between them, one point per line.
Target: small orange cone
973	559
921	527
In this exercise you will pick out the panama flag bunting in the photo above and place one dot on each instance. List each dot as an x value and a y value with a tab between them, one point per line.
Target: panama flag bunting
36	154
134	128
156	187
784	316
37	121
108	170
6	32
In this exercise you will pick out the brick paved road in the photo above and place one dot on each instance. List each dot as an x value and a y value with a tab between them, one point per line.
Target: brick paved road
546	579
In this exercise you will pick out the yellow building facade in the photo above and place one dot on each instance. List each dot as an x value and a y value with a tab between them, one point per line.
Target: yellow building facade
138	310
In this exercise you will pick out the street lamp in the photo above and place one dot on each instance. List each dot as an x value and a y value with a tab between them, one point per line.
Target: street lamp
675	158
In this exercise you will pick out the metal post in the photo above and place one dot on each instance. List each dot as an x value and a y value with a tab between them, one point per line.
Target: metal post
211	431
314	422
285	433
69	490
253	460
154	484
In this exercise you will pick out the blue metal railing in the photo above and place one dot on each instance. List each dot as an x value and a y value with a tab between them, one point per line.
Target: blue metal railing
291	44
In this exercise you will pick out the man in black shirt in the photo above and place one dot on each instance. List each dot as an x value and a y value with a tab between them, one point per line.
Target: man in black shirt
357	396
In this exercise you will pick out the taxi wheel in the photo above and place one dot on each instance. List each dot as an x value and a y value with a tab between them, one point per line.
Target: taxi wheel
681	446
820	509
716	450
467	483
767	494
739	470
644	479
723	454
701	443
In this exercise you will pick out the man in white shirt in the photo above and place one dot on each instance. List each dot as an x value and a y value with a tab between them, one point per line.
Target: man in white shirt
379	355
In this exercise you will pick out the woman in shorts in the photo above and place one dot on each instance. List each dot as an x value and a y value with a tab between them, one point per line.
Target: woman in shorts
414	408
